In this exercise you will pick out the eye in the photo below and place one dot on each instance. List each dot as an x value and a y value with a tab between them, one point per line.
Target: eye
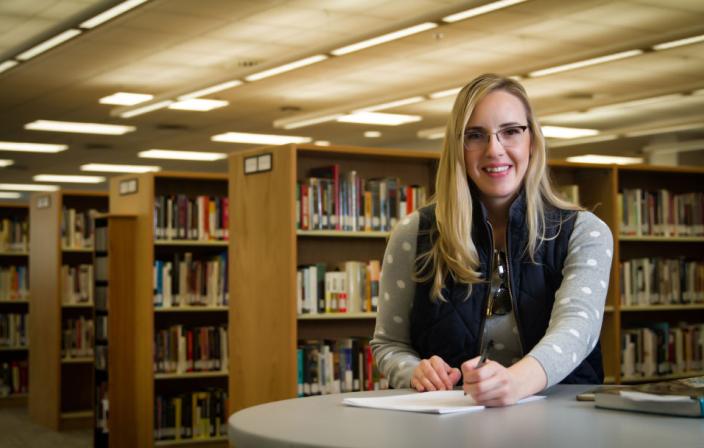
512	131
475	136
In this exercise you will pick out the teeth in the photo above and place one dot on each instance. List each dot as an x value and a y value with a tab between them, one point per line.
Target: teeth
498	169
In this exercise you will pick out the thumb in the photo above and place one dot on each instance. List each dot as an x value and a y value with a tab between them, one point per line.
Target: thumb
455	375
470	365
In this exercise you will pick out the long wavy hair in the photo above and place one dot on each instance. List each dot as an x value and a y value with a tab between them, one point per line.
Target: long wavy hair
453	252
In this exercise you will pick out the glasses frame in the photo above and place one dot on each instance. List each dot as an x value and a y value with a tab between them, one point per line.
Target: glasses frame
499	302
485	143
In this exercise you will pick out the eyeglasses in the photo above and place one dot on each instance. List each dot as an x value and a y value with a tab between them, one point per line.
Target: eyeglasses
500	297
478	139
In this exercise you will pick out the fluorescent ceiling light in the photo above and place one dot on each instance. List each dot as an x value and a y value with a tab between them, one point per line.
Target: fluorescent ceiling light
445	93
7	65
182	155
392	104
379	118
585	63
198	104
48	44
372	134
665	130
679	42
384	38
68	179
32	147
10	195
263	139
28	187
607	160
145	109
432	133
5	162
565	132
113	168
213	89
125	98
321	143
79	128
288	123
111	13
480	10
286	67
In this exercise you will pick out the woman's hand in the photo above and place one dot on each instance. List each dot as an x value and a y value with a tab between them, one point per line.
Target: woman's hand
434	374
491	384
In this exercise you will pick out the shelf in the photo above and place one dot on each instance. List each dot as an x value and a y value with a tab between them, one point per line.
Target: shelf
663	239
24	302
187	375
13	399
191	309
14	349
697	306
673	376
189	441
77	249
608	309
76	305
336	316
14	253
83	360
342	234
214	243
609	380
76	415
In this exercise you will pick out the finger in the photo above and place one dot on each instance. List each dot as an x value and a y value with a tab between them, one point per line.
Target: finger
455	375
441	368
430	374
427	384
489	389
472	374
415	384
469	365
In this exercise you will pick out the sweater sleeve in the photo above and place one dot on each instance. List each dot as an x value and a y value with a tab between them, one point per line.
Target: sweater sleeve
577	313
391	344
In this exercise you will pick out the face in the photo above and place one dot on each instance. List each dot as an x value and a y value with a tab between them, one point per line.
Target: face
497	169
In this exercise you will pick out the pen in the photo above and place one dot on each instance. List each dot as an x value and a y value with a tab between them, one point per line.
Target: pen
486	346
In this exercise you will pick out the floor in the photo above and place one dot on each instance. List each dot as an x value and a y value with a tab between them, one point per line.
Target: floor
17	430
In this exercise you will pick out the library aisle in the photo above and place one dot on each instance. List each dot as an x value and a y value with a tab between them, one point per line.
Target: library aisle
18	431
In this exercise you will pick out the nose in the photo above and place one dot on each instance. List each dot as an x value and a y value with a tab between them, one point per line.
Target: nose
494	147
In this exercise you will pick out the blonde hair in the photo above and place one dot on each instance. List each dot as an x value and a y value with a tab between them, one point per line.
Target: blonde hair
453	252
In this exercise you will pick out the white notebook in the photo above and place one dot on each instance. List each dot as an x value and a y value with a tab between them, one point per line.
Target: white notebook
438	402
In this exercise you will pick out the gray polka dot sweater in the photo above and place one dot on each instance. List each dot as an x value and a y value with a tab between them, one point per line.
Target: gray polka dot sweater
576	317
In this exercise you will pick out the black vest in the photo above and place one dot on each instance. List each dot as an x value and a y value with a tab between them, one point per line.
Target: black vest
452	329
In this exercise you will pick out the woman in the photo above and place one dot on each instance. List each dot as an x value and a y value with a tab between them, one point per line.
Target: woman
502	265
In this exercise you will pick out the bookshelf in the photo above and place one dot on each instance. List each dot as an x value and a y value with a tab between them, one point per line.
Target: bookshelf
265	234
132	420
61	380
14	301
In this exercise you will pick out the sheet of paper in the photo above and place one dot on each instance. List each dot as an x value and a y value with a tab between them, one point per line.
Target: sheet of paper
439	402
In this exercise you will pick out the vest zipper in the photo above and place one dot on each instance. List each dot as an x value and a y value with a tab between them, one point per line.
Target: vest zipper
487	298
510	293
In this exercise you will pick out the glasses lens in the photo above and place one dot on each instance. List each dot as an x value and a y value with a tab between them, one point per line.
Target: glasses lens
475	139
502	301
510	136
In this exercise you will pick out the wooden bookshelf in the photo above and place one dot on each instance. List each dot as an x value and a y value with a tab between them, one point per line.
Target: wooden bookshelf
131	419
13	253
653	378
269	247
59	389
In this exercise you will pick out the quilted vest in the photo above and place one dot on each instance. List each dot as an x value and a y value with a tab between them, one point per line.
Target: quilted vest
452	329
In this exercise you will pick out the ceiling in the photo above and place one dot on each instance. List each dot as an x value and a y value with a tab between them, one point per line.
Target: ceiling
170	47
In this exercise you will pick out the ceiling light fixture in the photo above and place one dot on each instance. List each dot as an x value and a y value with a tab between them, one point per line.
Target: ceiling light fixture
379	118
679	42
392	104
384	38
198	104
5	162
182	155
321	143
565	132
79	128
286	67
212	89
10	195
28	187
605	160
585	63
111	13
68	179
125	98
372	134
32	147
445	93
48	44
7	65
480	10
114	168
262	139
145	109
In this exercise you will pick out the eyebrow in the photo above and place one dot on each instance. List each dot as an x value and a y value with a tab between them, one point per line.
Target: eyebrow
501	126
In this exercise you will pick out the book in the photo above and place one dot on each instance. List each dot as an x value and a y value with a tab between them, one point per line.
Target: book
437	402
682	397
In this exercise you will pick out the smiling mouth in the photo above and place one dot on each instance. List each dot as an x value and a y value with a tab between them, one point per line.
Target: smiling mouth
497	169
